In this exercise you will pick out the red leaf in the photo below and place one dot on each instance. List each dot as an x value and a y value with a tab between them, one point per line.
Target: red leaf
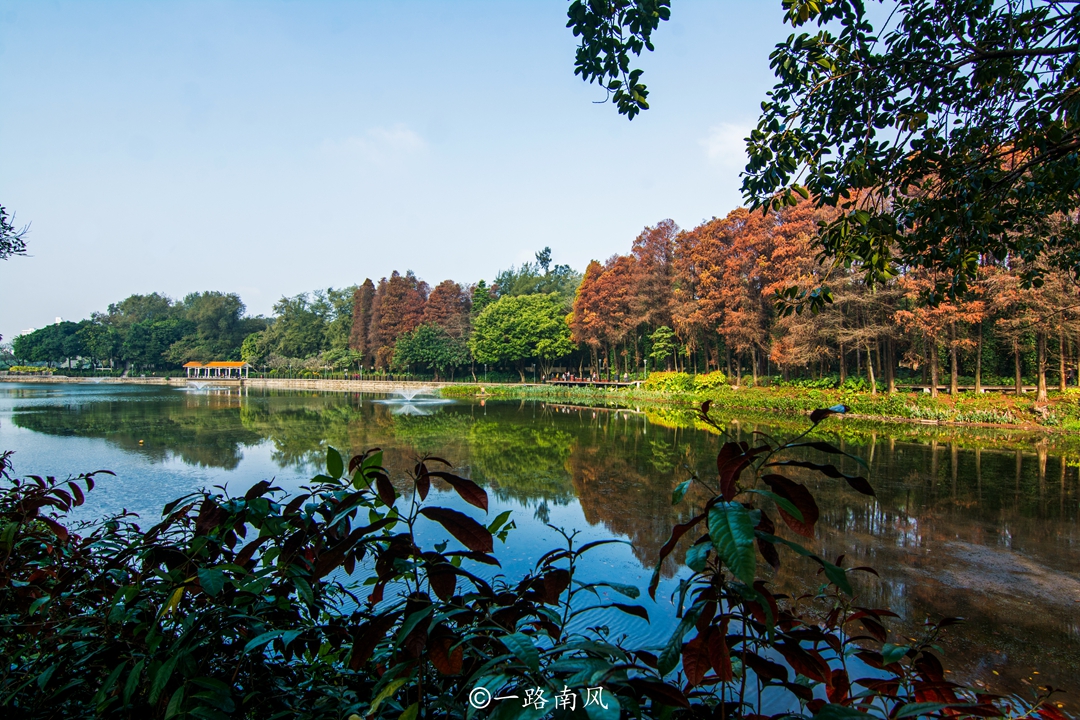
768	551
367	637
77	492
423	482
838	687
443	580
469	491
765	669
695	659
798	496
248	551
211	516
730	463
59	530
719	655
257	490
552	584
676	532
385	489
806	663
470	533
446	658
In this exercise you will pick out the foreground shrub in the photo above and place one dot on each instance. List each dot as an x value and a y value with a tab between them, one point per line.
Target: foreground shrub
325	605
710	381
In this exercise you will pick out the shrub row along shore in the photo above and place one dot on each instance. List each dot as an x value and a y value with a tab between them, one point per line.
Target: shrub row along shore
1061	412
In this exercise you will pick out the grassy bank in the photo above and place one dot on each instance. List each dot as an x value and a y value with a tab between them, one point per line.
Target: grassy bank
1061	412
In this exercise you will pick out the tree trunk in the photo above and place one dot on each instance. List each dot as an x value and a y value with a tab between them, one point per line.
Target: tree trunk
843	365
1041	343
932	349
890	361
870	371
521	369
754	364
1018	384
1061	360
727	351
954	369
978	360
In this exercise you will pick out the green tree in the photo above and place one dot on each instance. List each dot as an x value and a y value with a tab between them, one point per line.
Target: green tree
147	344
517	328
340	323
481	297
216	327
433	346
299	328
51	344
662	346
101	340
539	278
254	350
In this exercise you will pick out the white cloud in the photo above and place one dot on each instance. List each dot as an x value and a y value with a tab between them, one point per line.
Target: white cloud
380	144
726	144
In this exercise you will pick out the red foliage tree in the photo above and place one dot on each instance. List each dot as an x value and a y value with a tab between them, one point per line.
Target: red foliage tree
397	307
363	298
448	306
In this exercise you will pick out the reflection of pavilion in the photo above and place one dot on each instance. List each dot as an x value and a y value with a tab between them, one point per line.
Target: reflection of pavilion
218	369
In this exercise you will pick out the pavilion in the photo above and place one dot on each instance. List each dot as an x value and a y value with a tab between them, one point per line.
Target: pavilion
217	369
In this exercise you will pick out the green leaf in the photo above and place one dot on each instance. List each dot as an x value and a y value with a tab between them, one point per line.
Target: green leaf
410	712
287	636
679	492
212	580
523	649
783	503
672	652
386	692
133	681
161	678
892	653
412	621
837	576
175	703
335	466
596	711
731	528
499	520
629	591
919	708
697	555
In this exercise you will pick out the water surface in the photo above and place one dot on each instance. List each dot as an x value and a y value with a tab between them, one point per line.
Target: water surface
979	525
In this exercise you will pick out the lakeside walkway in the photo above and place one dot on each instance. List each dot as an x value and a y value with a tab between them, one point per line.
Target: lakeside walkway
371	386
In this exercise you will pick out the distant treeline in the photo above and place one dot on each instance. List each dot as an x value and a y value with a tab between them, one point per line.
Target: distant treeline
697	300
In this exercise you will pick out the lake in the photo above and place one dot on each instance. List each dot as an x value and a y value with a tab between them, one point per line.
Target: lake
979	524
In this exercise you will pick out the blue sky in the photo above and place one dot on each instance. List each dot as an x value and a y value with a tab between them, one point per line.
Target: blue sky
271	148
